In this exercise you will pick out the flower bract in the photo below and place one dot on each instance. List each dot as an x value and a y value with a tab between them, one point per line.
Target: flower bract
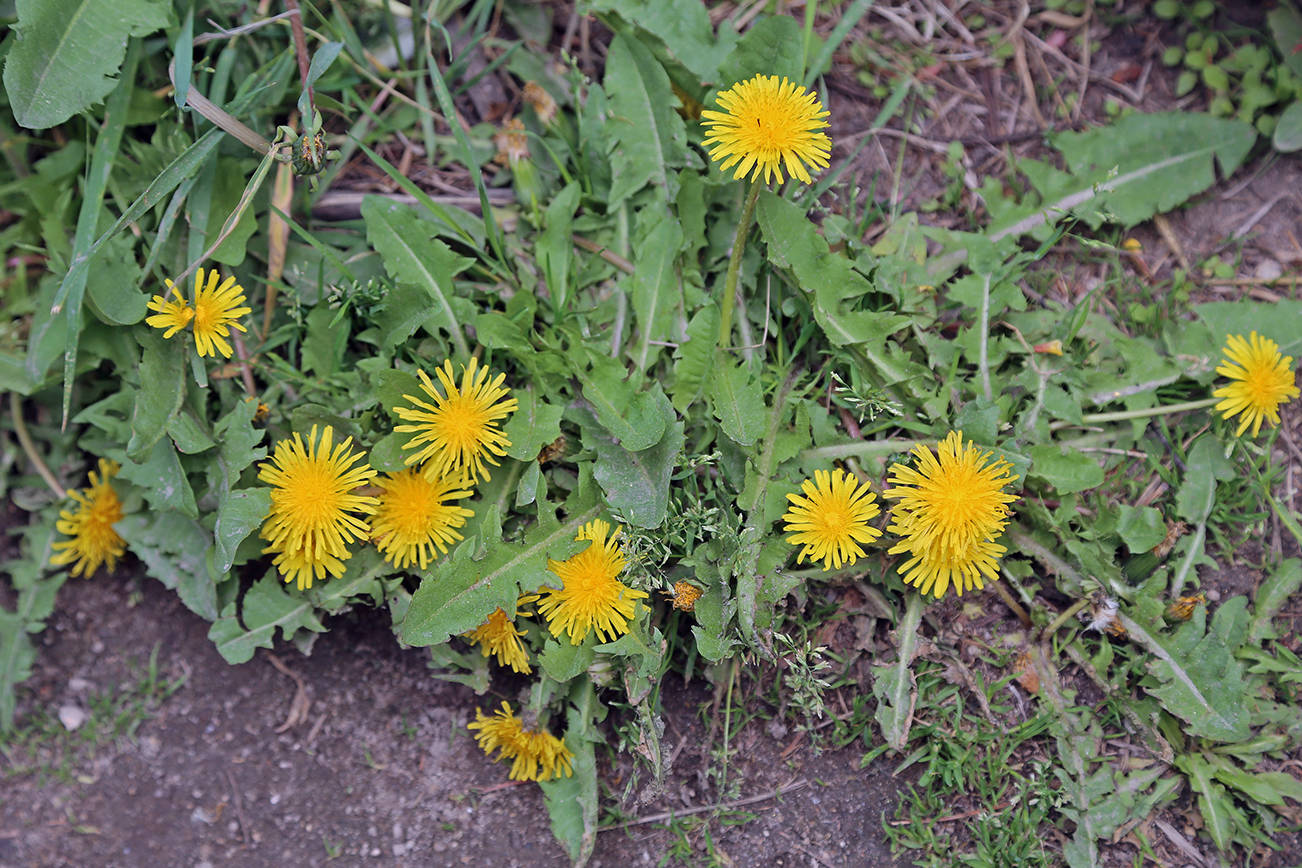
498	637
1262	382
92	541
830	519
591	596
314	514
536	755
415	515
768	123
456	425
951	507
218	306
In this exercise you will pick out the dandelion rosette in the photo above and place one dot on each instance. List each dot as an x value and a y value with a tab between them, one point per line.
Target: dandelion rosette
416	514
313	513
456	428
591	596
498	637
536	755
767	123
830	519
1263	382
92	541
218	306
950	509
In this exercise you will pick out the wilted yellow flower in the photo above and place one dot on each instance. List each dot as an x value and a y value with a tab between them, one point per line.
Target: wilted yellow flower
498	637
456	429
951	508
831	518
543	104
312	520
684	595
767	123
416	514
536	755
89	526
1263	382
591	596
512	142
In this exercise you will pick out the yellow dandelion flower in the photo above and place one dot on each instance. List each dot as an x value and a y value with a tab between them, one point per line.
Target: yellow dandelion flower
93	541
591	596
831	518
457	433
171	315
217	309
415	515
1263	381
311	519
537	754
498	637
950	510
767	122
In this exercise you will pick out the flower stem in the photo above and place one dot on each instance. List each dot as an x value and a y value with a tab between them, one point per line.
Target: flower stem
1123	415
25	439
729	299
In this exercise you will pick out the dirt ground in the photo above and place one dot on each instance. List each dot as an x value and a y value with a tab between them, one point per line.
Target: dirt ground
379	770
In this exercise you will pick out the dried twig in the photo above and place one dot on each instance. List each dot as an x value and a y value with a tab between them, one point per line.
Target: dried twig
701	809
29	447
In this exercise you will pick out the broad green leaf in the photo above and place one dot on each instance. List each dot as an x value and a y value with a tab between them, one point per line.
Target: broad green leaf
160	475
266	608
162	390
1286	27
391	386
114	294
794	243
240	514
239	446
367	575
635	419
572	802
695	357
325	341
1141	527
189	434
683	26
66	51
555	246
894	685
387	455
1205	464
651	137
637	483
1067	470
1200	682
174	550
563	661
533	425
412	255
738	403
1281	321
655	291
1272	595
37	588
459	593
1288	129
1268	788
1214	803
774	45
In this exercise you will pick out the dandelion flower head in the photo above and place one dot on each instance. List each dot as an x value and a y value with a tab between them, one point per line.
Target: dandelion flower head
89	526
218	306
951	507
417	514
767	123
536	755
591	596
456	426
314	514
1262	382
498	637
830	519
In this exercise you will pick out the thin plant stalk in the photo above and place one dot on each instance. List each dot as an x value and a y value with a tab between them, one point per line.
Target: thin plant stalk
729	299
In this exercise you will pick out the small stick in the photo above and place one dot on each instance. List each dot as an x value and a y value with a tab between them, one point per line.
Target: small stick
701	809
24	438
613	258
300	50
239	807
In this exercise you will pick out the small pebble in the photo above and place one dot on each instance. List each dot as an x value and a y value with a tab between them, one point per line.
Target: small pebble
71	717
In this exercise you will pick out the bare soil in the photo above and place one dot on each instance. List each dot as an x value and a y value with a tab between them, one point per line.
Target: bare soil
379	769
